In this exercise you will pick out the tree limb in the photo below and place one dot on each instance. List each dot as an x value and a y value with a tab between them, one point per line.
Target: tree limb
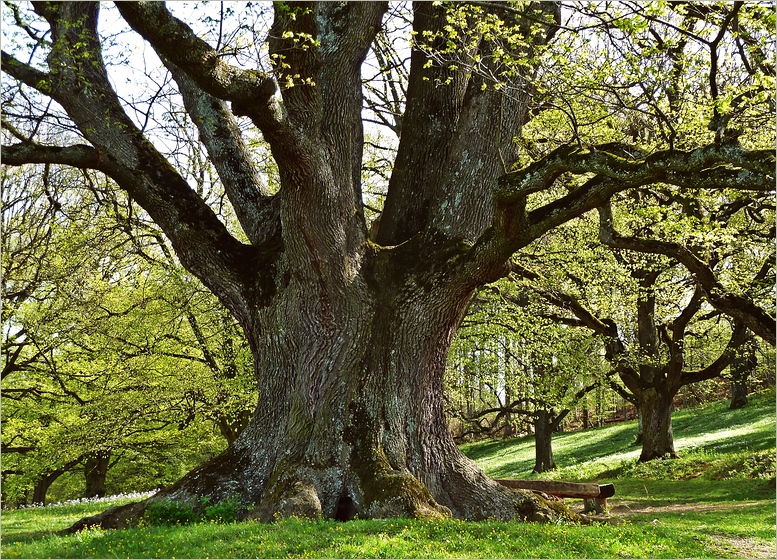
616	167
79	82
255	208
738	307
738	337
78	155
25	73
250	91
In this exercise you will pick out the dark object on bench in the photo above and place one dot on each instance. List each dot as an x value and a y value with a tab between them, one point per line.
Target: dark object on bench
596	492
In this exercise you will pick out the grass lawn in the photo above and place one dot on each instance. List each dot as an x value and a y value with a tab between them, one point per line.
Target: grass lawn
716	501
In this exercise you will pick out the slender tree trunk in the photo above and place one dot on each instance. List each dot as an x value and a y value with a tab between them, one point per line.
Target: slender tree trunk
95	471
742	365
43	485
543	450
638	439
738	393
656	411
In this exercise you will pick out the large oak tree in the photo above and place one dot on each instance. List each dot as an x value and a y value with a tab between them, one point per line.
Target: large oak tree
349	332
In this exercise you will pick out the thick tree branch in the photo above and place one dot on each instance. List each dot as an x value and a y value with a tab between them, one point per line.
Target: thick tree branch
78	80
428	124
615	168
738	338
250	91
738	307
78	155
255	208
713	166
25	73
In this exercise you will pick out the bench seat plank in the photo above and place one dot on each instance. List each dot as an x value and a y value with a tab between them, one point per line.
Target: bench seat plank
555	488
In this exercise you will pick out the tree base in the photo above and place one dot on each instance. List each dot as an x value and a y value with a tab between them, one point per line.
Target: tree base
307	493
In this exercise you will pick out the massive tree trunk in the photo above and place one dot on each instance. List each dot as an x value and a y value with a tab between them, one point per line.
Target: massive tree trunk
42	486
659	381
349	338
739	393
350	413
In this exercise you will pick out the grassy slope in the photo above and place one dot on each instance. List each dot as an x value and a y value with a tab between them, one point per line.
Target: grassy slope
705	504
711	436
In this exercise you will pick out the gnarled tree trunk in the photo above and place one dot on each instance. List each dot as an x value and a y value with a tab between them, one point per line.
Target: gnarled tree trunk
349	337
350	413
42	486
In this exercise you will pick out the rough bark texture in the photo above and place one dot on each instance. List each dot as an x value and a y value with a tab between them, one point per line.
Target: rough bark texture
739	393
657	437
349	336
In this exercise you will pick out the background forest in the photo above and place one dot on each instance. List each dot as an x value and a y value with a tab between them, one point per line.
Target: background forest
121	372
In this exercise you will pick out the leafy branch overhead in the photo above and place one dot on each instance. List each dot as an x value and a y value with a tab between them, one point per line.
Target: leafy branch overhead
617	167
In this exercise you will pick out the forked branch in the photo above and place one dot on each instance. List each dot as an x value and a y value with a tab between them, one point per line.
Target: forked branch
740	308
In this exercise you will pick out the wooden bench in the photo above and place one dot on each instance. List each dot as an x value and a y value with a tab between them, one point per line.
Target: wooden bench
598	493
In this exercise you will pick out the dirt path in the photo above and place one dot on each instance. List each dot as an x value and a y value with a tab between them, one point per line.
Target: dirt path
741	547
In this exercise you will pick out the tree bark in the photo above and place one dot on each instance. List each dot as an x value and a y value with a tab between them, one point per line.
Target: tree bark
350	413
544	426
45	481
739	393
43	485
657	438
95	471
638	438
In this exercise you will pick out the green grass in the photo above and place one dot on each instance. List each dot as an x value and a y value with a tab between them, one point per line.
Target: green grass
712	437
716	501
375	539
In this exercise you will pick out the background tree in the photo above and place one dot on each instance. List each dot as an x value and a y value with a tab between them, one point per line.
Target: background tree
510	365
664	331
104	338
350	334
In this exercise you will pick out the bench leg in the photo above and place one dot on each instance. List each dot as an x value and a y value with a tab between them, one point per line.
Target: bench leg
587	505
600	504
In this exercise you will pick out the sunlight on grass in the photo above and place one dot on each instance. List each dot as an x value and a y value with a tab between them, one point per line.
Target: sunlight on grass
374	539
716	501
729	436
701	434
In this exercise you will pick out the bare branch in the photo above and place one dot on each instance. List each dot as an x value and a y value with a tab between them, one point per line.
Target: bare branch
250	91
